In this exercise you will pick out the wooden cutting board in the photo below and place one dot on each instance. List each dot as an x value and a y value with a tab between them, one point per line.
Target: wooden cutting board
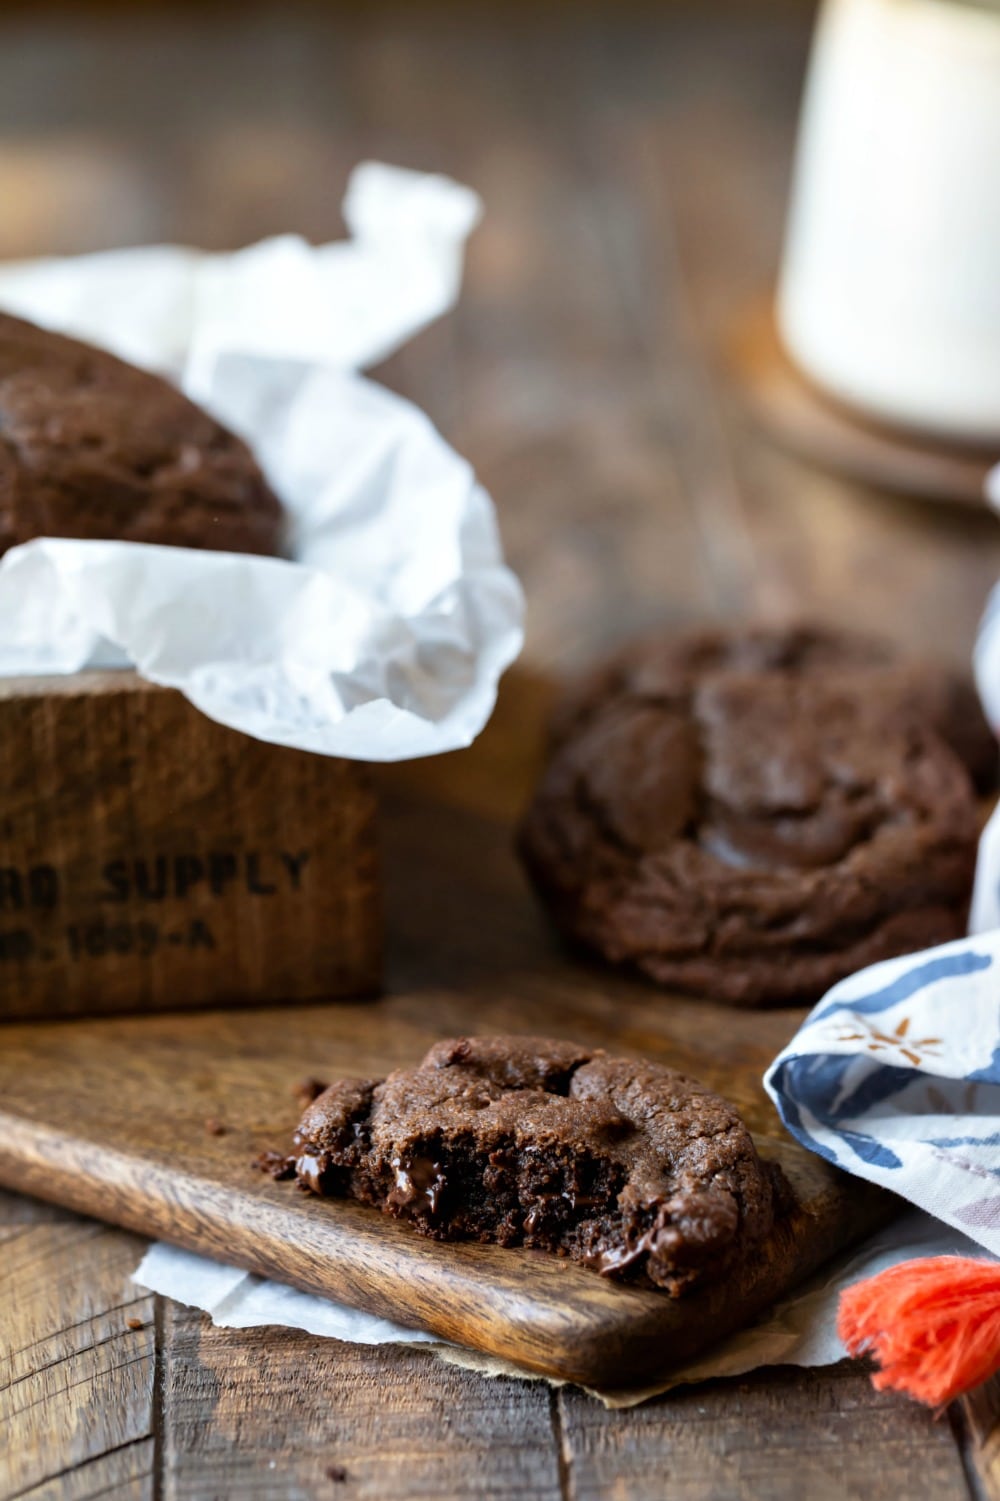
152	1122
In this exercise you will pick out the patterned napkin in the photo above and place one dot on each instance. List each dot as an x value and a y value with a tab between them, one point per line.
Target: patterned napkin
895	1077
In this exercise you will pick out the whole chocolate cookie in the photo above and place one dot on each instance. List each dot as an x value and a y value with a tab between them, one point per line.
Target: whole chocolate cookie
92	447
629	1167
747	831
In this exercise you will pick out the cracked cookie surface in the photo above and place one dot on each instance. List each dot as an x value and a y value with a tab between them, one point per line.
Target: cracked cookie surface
747	818
629	1167
661	666
92	447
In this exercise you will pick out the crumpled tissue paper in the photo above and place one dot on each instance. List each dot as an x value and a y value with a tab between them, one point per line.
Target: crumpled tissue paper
384	635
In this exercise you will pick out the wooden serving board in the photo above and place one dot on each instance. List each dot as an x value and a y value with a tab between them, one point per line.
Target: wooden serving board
152	1122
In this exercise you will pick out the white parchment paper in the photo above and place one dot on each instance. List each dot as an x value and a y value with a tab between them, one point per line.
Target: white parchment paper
384	634
800	1330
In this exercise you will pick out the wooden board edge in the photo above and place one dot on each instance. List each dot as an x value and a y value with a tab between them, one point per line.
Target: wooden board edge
574	1326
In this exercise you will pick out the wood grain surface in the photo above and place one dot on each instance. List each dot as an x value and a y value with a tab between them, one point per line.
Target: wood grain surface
634	164
151	858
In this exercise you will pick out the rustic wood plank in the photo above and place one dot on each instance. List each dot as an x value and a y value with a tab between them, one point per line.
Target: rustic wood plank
76	1382
977	1422
300	1417
785	1435
124	1474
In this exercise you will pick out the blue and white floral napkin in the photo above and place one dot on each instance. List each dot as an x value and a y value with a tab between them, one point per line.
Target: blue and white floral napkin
895	1077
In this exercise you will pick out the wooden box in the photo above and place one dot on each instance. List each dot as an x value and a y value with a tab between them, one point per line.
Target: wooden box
152	859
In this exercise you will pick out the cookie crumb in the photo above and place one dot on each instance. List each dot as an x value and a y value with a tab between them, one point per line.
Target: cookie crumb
276	1164
134	1323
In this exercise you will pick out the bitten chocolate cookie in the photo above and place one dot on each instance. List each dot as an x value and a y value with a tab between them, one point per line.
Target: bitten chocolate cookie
629	1167
751	826
92	447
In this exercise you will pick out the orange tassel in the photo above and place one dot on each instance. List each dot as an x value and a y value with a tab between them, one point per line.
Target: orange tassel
933	1325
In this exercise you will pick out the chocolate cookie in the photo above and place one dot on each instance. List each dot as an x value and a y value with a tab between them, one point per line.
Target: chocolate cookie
751	829
629	1167
92	447
660	666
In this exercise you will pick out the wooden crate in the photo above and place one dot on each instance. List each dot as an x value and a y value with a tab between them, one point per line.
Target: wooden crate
152	859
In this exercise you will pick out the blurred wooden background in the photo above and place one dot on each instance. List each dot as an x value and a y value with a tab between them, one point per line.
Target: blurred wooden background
634	164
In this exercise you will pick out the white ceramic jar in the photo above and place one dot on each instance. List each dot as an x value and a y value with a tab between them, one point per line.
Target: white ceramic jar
889	295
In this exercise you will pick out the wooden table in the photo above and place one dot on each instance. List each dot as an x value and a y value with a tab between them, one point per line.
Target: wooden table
634	164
